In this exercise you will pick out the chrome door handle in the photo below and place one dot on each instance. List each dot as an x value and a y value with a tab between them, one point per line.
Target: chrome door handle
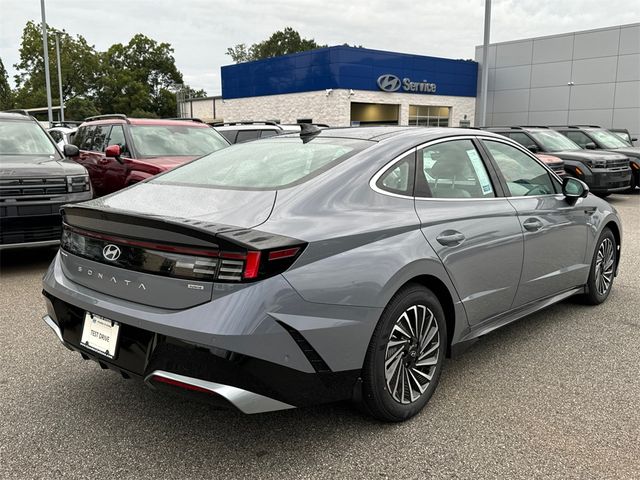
450	238
532	224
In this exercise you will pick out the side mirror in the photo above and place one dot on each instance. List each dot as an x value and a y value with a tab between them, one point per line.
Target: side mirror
573	188
634	139
533	148
70	150
590	146
113	151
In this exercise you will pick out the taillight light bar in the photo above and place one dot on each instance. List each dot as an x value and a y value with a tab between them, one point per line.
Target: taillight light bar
179	261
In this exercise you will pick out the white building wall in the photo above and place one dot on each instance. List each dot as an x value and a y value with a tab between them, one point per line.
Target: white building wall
333	109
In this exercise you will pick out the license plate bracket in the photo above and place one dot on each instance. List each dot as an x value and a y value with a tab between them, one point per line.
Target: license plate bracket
100	335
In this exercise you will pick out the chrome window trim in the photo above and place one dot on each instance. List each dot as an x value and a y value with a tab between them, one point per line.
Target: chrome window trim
374	180
496	137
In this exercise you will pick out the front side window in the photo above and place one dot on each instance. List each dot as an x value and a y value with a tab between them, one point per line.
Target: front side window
25	138
175	140
453	169
523	175
553	141
266	165
84	137
100	138
116	137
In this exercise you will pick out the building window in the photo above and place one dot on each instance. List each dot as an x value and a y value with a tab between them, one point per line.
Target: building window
429	116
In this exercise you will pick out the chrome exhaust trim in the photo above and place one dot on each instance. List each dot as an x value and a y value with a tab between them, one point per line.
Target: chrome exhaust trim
243	400
56	329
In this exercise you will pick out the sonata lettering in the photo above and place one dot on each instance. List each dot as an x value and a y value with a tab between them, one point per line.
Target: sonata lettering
90	273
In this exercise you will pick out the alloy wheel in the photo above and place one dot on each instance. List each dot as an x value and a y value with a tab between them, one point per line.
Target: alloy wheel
412	354
605	261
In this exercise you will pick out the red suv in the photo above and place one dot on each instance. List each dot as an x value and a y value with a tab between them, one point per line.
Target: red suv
118	151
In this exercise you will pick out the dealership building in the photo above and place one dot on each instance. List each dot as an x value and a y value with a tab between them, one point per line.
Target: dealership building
587	77
343	86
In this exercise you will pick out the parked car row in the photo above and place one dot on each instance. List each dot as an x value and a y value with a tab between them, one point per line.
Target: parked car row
600	158
239	132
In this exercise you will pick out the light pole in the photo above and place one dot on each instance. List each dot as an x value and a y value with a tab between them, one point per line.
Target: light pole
46	62
484	87
59	77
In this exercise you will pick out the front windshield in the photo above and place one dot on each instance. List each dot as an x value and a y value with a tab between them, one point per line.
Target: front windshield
265	164
553	141
607	139
25	138
175	140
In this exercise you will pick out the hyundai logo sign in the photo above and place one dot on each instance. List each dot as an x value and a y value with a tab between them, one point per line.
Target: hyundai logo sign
111	252
392	83
388	83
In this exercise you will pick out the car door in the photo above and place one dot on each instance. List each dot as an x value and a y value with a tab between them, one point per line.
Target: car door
88	158
473	229
555	230
114	172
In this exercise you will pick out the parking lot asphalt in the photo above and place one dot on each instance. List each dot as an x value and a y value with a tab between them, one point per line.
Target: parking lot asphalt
556	395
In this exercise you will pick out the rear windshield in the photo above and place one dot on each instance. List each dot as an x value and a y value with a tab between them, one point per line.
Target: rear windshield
265	164
553	141
175	140
25	138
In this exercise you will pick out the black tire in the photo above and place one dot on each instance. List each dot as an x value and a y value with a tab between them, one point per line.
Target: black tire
634	183
377	399
594	294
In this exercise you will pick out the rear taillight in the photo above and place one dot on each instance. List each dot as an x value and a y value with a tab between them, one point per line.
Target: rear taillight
185	262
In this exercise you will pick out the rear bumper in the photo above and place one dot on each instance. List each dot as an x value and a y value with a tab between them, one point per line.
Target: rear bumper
214	375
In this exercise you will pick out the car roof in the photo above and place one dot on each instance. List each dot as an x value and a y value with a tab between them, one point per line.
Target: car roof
145	121
380	133
16	116
254	126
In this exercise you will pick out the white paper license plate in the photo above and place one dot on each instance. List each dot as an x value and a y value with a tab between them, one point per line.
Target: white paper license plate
100	334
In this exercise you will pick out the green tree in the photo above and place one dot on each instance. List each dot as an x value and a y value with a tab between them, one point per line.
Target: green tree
279	43
139	76
79	64
6	95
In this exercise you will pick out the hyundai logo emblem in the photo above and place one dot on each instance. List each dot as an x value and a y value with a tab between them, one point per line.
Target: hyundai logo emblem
389	83
111	252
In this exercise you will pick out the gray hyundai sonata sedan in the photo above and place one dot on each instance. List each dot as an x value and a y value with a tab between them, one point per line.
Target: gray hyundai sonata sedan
327	265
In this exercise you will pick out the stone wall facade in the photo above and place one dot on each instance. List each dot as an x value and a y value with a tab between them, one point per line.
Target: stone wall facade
333	108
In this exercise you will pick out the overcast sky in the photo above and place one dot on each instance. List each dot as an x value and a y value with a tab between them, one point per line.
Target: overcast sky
201	30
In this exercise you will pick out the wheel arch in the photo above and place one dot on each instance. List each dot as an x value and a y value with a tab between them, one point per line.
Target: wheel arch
441	291
617	234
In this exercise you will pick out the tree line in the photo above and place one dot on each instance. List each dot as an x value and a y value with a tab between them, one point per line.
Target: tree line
139	78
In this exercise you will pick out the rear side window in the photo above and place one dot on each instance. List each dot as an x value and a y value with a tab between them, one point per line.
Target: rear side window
578	137
453	169
399	178
247	135
230	135
266	165
268	133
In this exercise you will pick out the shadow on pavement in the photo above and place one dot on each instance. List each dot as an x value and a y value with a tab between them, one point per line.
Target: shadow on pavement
26	259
